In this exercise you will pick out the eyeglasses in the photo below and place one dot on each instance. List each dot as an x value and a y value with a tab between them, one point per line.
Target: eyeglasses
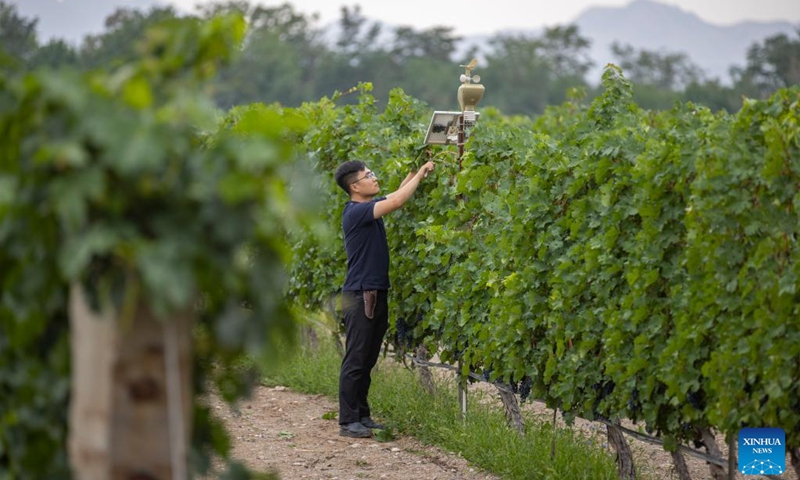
368	175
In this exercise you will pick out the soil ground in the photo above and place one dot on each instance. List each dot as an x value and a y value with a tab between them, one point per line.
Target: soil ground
283	431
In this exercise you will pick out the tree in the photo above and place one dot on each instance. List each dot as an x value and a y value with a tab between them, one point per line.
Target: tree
54	54
714	95
667	71
17	34
357	57
537	71
517	59
279	60
436	44
125	29
353	40
422	65
567	51
772	65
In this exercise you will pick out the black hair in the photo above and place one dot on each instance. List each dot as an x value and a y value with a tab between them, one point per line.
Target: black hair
347	173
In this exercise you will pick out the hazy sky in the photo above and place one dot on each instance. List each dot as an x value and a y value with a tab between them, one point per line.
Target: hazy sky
489	16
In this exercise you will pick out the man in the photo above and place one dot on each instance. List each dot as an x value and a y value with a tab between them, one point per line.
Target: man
364	295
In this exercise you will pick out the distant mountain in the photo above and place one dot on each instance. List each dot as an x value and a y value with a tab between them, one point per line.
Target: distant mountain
646	24
71	20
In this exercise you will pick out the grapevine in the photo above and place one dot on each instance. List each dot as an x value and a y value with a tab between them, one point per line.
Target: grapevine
613	263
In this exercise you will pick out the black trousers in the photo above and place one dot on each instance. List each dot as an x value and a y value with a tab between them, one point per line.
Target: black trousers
364	338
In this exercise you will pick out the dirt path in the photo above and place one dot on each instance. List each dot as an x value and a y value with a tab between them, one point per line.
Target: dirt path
281	430
278	429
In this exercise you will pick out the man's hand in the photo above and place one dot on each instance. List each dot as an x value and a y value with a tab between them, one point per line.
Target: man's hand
427	168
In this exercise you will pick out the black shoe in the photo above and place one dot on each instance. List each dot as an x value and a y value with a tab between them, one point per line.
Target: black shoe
367	422
354	430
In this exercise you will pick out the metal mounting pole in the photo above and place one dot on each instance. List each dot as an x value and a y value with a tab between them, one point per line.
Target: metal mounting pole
462	393
732	444
461	139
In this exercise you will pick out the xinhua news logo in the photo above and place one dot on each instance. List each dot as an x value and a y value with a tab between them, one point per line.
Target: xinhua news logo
762	451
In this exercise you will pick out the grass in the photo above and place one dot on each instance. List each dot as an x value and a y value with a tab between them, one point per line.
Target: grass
483	439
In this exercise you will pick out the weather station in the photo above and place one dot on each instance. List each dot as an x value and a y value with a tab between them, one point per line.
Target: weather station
452	127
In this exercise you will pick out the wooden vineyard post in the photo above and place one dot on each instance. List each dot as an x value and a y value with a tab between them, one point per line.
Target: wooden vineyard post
732	456
425	376
131	405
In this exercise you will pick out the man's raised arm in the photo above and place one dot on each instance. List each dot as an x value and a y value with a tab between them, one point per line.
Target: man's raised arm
399	197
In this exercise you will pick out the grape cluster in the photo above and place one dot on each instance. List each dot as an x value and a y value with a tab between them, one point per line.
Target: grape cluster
602	389
525	387
522	387
404	337
697	399
634	405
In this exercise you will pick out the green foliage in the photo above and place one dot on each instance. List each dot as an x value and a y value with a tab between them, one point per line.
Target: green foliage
111	179
633	264
385	435
742	221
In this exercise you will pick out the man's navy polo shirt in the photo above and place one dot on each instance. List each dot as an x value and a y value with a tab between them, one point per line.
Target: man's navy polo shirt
366	246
